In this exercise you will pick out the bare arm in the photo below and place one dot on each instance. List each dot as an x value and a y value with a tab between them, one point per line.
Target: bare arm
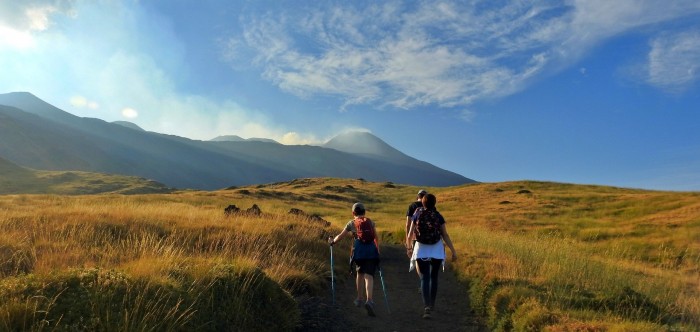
334	240
409	237
408	224
448	241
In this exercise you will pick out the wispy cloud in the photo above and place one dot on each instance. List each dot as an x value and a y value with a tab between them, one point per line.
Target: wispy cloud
380	54
674	61
445	54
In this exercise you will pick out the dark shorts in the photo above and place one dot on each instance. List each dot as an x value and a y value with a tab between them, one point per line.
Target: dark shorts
367	266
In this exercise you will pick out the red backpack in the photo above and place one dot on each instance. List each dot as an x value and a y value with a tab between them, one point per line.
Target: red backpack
365	232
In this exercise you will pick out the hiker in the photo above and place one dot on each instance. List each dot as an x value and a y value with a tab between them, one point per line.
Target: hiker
412	209
428	228
365	254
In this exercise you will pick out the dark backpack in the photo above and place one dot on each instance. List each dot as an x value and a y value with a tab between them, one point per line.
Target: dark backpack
427	226
365	232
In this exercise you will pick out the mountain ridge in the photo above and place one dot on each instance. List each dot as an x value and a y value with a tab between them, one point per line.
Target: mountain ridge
47	138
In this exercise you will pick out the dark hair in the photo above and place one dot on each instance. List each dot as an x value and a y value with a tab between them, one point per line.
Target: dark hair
358	209
429	201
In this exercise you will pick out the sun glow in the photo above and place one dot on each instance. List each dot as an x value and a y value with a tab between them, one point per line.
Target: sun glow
15	38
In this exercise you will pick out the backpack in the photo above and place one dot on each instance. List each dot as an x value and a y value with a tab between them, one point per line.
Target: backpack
365	232
427	226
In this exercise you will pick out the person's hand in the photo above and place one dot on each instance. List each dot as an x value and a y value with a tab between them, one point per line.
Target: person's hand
330	240
409	252
454	257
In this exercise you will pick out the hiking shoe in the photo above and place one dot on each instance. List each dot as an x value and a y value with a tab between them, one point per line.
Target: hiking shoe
357	303
426	313
370	308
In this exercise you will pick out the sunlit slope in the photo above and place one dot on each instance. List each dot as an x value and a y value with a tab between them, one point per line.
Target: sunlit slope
589	214
19	180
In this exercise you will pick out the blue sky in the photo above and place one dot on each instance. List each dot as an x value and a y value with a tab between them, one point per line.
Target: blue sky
582	91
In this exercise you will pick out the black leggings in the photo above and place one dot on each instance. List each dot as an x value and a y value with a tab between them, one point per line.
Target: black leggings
429	279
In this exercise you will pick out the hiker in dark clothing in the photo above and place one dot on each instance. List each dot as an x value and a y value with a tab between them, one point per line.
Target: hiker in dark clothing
412	209
365	254
428	227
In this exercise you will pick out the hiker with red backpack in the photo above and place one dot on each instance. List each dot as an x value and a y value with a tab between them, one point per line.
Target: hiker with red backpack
428	228
365	254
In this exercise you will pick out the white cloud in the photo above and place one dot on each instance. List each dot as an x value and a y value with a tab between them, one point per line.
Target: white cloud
32	15
82	102
674	61
294	138
78	101
445	54
598	19
383	56
130	113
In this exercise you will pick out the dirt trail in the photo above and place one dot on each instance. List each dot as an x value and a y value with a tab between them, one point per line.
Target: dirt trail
452	310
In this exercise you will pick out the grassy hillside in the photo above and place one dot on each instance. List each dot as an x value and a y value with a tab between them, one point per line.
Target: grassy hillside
537	256
19	180
578	257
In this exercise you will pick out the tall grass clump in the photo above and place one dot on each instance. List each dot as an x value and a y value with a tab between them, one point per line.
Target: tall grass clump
153	262
227	297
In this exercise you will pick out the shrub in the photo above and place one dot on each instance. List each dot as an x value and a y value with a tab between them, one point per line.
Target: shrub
235	299
532	316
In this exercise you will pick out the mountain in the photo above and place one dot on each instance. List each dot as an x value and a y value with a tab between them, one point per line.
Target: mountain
228	138
236	138
38	135
258	139
128	125
404	168
364	143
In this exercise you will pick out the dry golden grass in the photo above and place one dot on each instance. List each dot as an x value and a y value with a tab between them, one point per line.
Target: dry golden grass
164	239
538	256
628	255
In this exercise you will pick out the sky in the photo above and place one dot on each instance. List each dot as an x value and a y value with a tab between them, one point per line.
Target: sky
577	91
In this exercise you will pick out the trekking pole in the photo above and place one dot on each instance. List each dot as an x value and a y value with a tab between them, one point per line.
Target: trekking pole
332	274
386	299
